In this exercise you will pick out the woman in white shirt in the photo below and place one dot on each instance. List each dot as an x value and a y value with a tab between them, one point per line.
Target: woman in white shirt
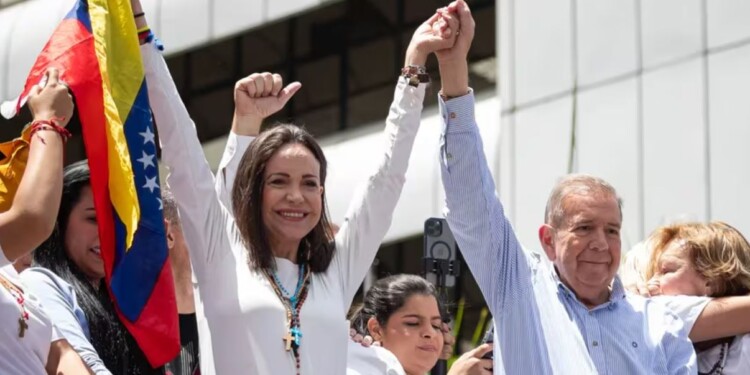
275	283
29	342
702	272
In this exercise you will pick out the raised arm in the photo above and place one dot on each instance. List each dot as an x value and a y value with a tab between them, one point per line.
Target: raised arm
474	213
203	217
256	97
371	211
31	217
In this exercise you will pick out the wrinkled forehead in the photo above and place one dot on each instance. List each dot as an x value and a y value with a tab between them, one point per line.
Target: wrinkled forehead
591	205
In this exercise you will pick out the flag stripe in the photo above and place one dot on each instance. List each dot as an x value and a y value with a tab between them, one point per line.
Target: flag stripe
141	264
114	30
105	73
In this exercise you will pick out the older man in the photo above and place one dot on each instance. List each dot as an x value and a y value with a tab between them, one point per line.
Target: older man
570	318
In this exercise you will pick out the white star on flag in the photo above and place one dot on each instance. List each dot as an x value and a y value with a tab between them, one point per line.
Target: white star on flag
148	136
147	160
151	184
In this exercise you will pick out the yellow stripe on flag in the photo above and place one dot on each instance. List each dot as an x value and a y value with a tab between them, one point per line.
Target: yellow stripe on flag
117	49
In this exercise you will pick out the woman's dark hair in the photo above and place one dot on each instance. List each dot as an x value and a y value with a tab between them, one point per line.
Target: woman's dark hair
114	344
317	248
387	296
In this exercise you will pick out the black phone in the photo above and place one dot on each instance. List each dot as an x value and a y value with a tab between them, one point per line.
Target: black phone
440	263
489	338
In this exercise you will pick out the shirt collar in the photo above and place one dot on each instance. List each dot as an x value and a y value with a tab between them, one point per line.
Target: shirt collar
617	293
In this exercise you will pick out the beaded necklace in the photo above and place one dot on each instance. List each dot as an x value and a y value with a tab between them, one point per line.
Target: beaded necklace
17	294
293	305
718	367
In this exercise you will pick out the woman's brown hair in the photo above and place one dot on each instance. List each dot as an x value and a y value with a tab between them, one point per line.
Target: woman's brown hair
718	251
317	248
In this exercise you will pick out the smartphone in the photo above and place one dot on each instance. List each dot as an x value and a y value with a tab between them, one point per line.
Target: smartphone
440	263
489	338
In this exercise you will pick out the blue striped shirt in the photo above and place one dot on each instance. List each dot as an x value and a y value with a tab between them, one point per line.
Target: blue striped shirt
541	327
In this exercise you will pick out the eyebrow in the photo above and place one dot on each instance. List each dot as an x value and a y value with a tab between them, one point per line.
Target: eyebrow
90	209
282	174
420	317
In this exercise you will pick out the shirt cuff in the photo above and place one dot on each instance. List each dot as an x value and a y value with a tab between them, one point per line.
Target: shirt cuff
458	113
234	141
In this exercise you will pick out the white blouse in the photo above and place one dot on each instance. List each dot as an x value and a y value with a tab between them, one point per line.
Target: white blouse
735	360
246	319
25	355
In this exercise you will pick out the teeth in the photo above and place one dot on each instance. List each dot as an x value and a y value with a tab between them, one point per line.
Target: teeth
96	250
292	214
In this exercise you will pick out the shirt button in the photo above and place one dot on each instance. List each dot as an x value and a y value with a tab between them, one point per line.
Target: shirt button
595	343
453	115
449	156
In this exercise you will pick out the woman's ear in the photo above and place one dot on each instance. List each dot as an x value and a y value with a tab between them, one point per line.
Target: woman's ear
376	331
170	236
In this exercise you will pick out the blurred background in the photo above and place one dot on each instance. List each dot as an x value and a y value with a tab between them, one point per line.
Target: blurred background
650	95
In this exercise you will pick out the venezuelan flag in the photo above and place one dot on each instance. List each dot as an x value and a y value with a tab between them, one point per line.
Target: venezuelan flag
96	49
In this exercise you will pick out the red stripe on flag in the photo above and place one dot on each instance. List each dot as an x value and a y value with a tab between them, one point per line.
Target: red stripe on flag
158	349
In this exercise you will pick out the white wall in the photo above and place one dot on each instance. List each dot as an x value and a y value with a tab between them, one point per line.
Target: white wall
661	107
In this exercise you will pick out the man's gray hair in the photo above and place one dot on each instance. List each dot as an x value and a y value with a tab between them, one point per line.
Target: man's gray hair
169	206
575	184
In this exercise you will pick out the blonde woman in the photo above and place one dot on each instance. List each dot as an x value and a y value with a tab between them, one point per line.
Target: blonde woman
702	272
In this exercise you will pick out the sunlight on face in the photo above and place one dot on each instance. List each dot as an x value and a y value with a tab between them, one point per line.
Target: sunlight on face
82	237
413	334
676	272
587	244
292	194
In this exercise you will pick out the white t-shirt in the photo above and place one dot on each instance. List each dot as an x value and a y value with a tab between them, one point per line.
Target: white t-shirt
374	360
736	361
23	355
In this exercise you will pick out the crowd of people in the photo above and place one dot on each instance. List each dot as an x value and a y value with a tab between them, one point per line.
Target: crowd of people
264	281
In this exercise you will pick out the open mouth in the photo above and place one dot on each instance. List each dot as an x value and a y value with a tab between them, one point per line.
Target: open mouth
96	250
292	215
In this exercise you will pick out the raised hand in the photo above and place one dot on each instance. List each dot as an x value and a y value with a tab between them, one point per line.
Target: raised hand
454	67
53	101
437	33
258	96
460	49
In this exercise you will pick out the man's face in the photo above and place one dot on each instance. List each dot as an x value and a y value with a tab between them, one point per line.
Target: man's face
585	245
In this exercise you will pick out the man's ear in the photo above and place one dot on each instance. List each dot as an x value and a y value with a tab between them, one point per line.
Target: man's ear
547	239
376	331
170	236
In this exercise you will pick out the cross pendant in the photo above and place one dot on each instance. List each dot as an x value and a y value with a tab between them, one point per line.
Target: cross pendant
22	327
288	338
297	335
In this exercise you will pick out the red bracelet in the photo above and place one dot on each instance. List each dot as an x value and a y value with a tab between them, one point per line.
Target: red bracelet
50	125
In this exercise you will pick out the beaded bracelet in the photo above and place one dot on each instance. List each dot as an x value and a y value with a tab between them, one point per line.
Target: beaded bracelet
43	125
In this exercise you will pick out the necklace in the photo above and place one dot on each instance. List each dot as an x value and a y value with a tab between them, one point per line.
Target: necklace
718	367
17	294
292	303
